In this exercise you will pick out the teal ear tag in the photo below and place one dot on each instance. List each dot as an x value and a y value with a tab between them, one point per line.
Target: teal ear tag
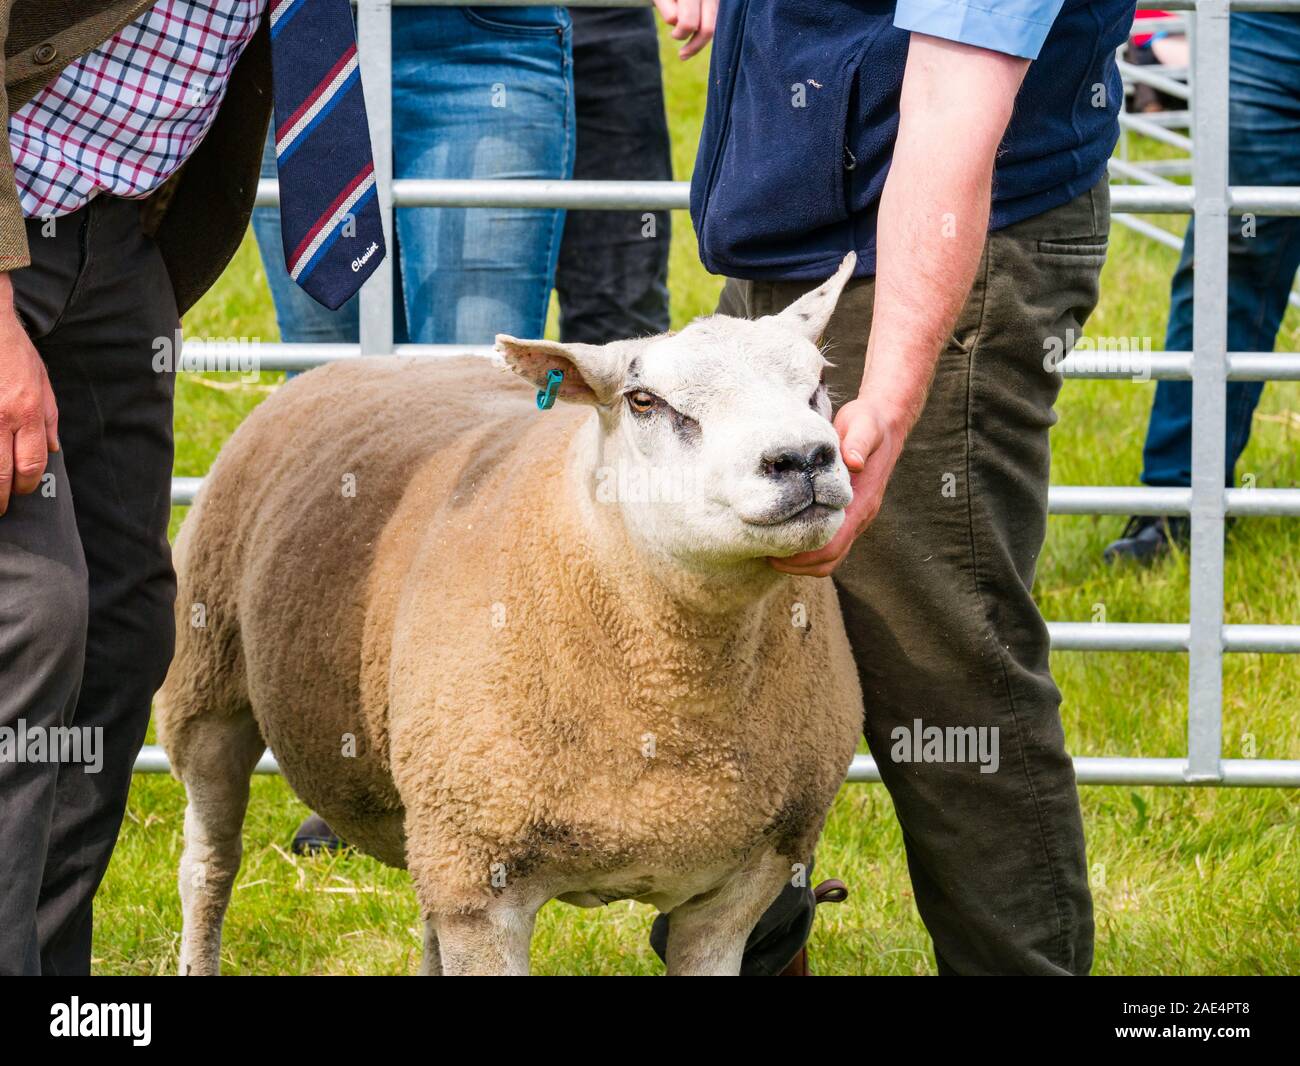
546	396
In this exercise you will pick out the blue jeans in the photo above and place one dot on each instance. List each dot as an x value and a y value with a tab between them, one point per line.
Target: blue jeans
477	93
1265	150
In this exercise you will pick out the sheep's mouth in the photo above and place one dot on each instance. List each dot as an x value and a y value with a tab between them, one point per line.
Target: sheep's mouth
812	511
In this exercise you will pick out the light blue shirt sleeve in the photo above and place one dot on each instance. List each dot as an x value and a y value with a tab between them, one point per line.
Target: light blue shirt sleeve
1016	27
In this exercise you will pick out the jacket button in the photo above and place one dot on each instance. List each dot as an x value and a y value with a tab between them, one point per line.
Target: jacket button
45	53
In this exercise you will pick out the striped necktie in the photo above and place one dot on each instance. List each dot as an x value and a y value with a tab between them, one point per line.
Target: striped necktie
329	208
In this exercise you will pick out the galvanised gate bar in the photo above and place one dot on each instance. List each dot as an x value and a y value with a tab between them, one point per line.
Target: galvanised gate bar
1205	638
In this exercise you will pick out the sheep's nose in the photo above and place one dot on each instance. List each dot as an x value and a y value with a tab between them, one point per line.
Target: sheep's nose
805	460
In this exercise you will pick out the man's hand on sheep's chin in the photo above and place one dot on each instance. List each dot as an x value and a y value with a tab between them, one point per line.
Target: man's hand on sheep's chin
870	443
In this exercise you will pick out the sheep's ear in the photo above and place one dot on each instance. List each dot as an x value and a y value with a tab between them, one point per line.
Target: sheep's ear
593	373
809	315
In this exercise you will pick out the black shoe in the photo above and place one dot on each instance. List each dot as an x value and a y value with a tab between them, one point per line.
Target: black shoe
831	891
314	836
1146	538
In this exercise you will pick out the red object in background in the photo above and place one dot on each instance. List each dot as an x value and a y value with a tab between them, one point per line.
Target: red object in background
1141	40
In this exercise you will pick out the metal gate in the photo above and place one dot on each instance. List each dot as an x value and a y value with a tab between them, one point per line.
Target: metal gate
1205	638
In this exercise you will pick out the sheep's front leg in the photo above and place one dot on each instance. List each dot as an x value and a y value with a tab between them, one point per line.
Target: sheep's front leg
431	961
492	942
707	934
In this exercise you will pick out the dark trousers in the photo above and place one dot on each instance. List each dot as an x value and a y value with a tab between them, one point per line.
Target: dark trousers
938	607
612	276
86	583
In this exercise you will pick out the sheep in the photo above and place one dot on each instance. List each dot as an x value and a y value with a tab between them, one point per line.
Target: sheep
527	655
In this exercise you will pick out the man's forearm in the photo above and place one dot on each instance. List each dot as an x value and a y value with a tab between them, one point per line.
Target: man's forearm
956	102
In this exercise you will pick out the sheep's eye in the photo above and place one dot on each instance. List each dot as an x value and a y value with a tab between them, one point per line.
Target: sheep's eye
642	402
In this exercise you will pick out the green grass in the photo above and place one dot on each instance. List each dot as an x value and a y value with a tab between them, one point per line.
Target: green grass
1186	881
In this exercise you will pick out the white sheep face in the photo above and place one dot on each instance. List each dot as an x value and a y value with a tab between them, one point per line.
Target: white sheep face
716	442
